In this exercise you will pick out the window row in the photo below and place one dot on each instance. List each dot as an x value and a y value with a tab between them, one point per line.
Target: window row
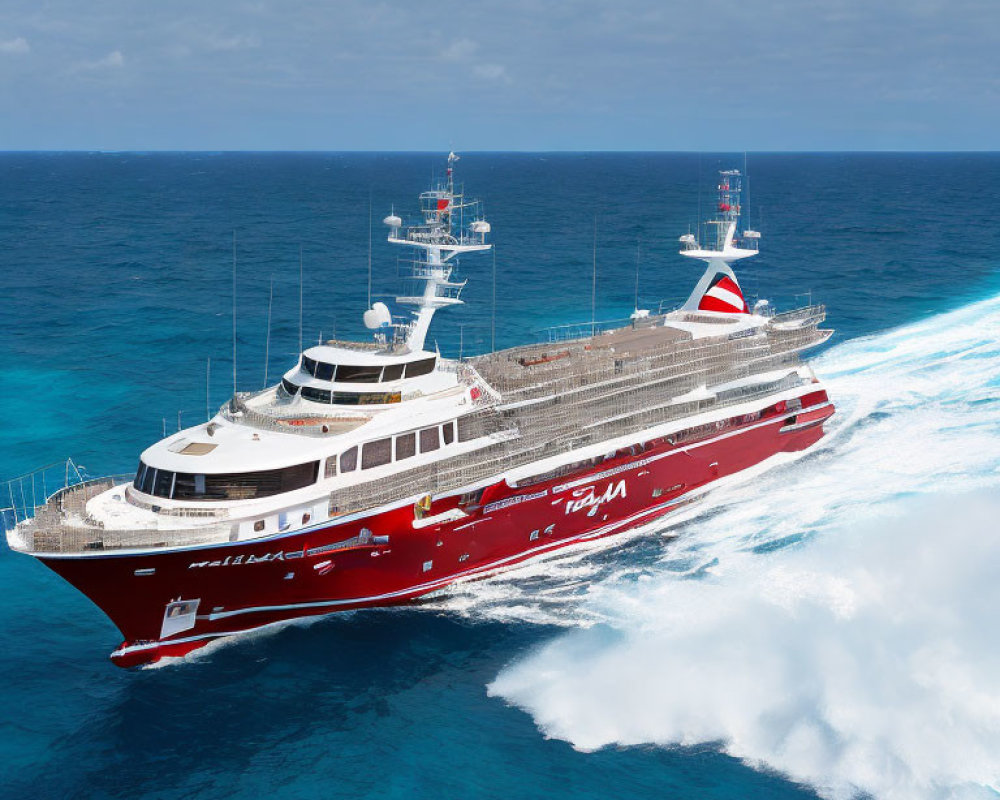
232	486
372	373
393	448
341	398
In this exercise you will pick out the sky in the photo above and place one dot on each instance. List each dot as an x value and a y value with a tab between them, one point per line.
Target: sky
714	75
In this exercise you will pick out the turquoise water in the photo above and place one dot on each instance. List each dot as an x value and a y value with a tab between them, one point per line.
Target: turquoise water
116	275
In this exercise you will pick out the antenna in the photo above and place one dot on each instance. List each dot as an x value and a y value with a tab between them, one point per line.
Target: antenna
593	286
369	247
493	316
746	192
638	242
234	312
300	297
698	218
267	341
461	340
208	382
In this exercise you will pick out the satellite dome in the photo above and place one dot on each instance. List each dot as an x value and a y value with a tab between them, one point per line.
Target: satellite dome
377	316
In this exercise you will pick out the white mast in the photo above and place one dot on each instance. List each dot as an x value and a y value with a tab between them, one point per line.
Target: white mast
438	239
724	245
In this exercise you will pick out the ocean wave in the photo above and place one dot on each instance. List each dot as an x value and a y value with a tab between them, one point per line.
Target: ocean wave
831	619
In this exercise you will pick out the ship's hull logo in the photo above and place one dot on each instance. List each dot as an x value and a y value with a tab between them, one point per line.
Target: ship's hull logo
587	498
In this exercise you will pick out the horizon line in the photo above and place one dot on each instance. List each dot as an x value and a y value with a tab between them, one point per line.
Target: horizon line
307	151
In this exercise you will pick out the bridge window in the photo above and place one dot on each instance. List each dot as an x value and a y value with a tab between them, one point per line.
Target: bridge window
316	395
289	387
392	372
358	374
228	486
417	368
325	371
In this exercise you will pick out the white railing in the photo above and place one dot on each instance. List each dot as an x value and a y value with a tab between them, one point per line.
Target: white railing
29	491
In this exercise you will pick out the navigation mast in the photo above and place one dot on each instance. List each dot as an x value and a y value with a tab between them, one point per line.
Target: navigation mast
441	235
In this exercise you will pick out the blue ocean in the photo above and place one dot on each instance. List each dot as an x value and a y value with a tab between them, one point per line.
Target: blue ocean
826	627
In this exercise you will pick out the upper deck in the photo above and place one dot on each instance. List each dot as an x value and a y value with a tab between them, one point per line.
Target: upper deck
535	404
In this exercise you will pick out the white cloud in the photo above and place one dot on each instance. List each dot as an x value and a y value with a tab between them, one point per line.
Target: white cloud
492	72
113	60
17	46
459	50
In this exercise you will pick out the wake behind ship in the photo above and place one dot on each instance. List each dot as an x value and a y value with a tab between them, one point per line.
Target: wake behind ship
376	472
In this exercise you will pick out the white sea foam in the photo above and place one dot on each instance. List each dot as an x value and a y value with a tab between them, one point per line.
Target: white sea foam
864	658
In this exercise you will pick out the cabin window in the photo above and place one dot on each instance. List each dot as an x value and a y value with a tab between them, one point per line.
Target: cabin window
163	482
309	365
392	372
186	485
349	460
325	371
448	432
258	526
289	387
471	498
331	467
354	399
358	374
147	480
316	395
429	440
417	368
376	454
406	446
230	486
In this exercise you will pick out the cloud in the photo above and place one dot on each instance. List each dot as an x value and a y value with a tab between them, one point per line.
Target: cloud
492	72
460	50
113	60
17	46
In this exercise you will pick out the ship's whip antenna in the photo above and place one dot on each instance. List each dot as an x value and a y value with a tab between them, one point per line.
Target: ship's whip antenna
593	286
746	193
638	243
493	315
267	341
369	247
208	383
234	313
698	220
300	297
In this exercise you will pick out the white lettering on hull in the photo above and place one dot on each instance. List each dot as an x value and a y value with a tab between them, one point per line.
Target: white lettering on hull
589	499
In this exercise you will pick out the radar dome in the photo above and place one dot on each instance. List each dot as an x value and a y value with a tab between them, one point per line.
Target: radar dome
377	316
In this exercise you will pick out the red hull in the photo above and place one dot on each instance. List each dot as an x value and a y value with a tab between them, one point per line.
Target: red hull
243	585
